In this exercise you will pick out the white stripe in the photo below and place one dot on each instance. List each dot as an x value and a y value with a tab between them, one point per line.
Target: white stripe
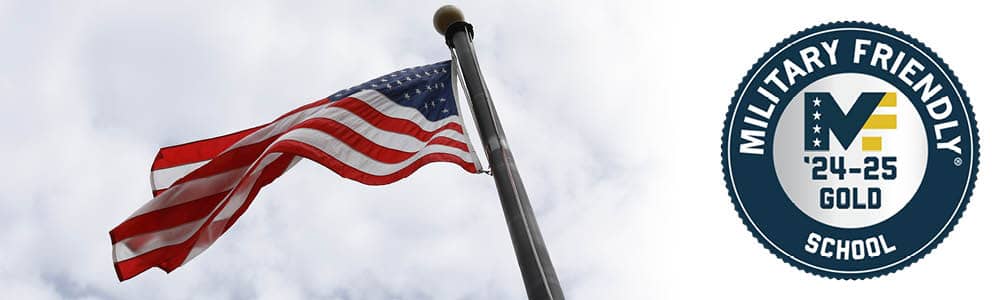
163	178
390	108
388	139
373	98
195	189
203	186
276	127
138	245
347	155
143	243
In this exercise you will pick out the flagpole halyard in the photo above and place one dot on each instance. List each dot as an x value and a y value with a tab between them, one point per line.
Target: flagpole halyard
539	276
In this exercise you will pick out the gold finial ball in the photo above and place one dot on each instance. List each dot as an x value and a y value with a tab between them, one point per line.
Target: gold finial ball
445	16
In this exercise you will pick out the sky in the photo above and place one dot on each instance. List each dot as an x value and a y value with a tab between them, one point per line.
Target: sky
612	110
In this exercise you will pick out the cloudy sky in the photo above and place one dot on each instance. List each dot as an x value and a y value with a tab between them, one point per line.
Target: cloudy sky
613	112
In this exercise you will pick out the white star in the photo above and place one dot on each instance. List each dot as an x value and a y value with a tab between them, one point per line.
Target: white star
428	87
399	82
816	115
417	74
444	110
432	103
816	128
406	95
427	73
816	143
425	106
816	101
441	99
408	78
435	71
418	90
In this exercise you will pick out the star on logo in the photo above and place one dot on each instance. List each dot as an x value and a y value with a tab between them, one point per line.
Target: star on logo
816	115
816	101
816	143
816	128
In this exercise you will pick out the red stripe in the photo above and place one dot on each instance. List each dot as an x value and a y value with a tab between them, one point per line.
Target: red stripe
170	257
335	165
167	217
387	123
246	154
198	150
371	149
208	148
240	157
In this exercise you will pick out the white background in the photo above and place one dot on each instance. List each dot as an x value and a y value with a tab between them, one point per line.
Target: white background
614	112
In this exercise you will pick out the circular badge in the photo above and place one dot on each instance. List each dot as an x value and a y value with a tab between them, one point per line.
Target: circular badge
850	150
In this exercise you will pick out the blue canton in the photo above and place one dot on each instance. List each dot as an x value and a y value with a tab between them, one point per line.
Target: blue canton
425	88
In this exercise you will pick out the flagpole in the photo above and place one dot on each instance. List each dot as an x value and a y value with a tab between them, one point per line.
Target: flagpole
539	276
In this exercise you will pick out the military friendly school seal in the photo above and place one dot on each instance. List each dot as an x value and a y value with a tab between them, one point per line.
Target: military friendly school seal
850	150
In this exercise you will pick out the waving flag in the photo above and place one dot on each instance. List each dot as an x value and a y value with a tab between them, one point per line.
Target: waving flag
375	133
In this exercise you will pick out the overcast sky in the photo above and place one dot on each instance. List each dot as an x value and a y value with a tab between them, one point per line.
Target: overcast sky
613	112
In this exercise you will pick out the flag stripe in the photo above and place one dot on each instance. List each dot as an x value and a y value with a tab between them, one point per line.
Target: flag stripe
345	170
169	256
164	178
387	119
196	189
165	218
342	162
200	150
335	130
201	188
368	113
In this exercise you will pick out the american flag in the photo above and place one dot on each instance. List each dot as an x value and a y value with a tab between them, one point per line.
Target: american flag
375	133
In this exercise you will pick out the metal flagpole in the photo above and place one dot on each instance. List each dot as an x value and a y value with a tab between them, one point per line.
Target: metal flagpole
539	276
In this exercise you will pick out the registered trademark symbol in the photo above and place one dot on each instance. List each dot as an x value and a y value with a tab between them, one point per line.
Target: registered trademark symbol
958	161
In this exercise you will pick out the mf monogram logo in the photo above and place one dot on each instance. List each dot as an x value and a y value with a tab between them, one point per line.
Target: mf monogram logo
823	115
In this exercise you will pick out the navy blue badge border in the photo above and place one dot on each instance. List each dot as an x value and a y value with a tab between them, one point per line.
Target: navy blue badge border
911	258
